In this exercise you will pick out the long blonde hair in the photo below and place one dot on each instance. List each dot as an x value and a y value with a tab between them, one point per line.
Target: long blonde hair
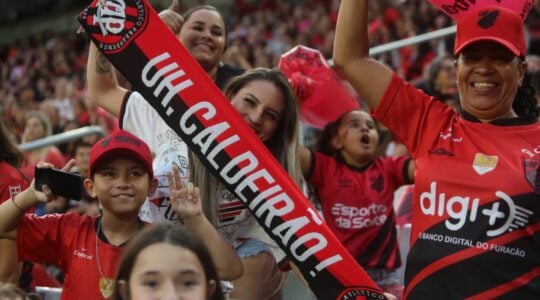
283	144
39	154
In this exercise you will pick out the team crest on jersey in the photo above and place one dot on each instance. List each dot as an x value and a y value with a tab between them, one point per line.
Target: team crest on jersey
115	24
14	190
484	163
357	293
531	168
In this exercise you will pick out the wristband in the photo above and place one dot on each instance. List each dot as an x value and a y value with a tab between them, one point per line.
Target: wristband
15	203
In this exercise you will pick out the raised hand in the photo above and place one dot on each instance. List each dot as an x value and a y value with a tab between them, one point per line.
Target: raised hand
185	200
175	6
46	195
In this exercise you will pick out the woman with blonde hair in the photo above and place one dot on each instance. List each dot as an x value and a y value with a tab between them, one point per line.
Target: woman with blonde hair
37	126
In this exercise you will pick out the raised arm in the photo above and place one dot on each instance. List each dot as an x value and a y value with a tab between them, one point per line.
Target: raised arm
103	88
10	267
13	210
186	202
351	53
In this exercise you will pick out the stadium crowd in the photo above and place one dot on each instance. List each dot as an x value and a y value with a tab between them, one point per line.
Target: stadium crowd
43	79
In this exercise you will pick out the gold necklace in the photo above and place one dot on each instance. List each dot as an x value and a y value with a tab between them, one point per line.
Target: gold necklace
106	284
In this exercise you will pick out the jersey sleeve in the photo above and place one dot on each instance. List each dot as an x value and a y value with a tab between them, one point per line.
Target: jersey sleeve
9	187
41	239
320	166
404	104
400	169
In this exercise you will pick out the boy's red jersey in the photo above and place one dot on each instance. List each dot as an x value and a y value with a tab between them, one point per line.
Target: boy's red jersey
69	241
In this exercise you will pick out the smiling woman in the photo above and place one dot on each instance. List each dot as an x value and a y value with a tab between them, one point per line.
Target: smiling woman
474	165
265	101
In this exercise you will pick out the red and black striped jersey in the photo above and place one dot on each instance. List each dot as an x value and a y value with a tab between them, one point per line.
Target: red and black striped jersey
476	208
357	205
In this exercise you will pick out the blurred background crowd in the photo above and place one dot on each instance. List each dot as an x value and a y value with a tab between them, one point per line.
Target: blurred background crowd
42	66
45	70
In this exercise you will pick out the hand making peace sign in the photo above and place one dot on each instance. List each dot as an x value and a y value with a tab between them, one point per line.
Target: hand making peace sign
185	200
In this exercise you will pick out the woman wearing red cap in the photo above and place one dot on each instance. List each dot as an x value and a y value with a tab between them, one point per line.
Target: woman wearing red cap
477	195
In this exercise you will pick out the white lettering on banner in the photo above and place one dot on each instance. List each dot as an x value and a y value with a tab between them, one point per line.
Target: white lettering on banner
286	229
167	81
461	208
243	171
236	162
111	17
277	206
209	134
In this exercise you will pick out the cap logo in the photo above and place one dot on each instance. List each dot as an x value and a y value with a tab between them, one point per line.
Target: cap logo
127	140
105	142
488	18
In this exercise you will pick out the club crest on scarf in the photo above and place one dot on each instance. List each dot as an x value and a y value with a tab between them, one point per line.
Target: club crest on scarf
116	23
531	168
361	293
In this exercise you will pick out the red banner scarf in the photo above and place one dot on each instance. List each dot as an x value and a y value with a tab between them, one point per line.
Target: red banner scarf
131	35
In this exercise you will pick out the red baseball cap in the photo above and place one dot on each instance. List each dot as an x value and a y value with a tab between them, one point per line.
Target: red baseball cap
120	143
491	23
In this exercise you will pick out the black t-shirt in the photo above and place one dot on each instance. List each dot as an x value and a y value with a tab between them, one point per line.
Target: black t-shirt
224	73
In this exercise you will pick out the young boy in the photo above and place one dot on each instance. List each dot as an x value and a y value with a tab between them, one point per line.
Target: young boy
88	249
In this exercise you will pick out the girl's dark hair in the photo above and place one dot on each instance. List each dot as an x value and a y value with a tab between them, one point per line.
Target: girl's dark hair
324	142
174	235
525	104
9	151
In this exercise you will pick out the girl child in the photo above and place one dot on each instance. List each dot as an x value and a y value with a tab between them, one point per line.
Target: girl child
187	273
356	192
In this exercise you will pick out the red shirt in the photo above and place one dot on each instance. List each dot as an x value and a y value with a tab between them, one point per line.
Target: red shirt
69	241
476	206
357	205
54	156
12	181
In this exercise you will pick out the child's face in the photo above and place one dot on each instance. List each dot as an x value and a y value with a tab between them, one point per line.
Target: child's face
82	156
34	129
121	185
180	276
261	105
356	138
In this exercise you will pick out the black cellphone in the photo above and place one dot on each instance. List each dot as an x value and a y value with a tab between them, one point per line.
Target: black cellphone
61	183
